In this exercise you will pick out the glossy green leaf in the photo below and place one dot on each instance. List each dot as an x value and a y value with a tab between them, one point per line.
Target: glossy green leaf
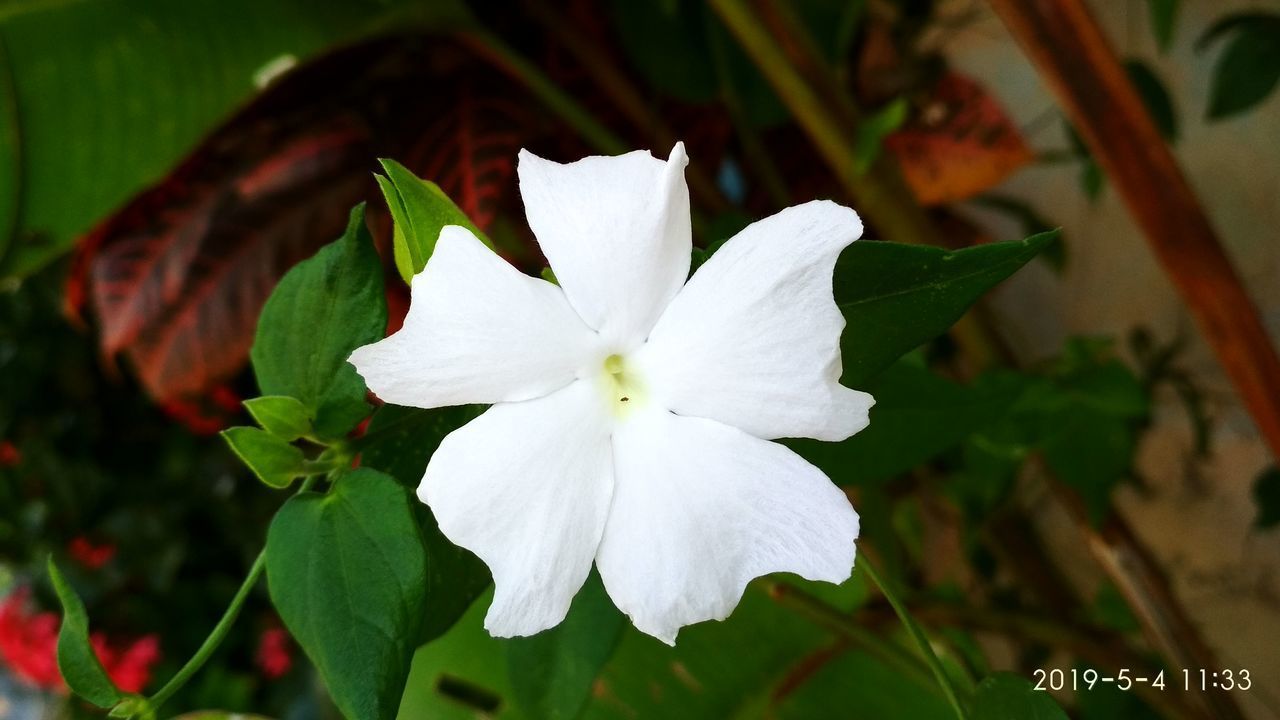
1248	69
1266	497
79	665
1005	696
100	99
399	441
324	308
272	459
283	416
1164	18
1032	223
917	415
896	297
419	209
347	574
872	131
552	673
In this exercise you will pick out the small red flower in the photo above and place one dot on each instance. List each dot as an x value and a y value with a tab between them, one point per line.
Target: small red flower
93	557
274	657
9	455
28	642
29	647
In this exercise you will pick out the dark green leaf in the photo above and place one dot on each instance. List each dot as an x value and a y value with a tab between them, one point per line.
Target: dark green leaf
420	209
1248	69
106	97
872	131
285	417
272	459
896	297
1032	223
399	442
1164	18
324	308
347	573
79	665
552	672
1005	696
1266	496
1154	97
917	415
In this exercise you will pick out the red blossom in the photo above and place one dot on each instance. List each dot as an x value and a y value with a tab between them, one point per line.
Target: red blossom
274	657
93	557
9	455
28	646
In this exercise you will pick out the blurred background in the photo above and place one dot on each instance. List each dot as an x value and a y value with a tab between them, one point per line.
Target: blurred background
1078	475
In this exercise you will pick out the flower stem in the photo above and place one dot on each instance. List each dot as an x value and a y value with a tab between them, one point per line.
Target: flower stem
215	638
219	632
939	673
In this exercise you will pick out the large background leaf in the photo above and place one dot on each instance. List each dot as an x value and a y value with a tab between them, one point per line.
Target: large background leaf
160	75
176	279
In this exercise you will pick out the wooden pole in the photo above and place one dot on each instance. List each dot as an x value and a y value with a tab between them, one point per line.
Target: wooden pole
1066	43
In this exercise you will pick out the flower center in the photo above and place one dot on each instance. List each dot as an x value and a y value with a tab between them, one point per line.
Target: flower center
622	386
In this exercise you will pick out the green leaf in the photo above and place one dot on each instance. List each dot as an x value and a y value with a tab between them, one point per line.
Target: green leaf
79	665
420	209
272	459
552	672
1154	97
1005	696
324	308
917	415
1164	18
347	574
1032	223
99	100
1248	70
872	131
896	297
283	416
399	442
1266	496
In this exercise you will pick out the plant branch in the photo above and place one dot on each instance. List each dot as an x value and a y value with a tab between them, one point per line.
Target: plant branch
493	49
889	653
220	631
1073	55
215	638
926	649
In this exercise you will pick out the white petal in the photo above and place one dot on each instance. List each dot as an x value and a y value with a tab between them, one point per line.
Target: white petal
753	340
700	508
478	331
616	233
526	486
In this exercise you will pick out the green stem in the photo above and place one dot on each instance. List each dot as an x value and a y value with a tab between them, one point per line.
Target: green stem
889	653
215	638
939	673
219	632
558	101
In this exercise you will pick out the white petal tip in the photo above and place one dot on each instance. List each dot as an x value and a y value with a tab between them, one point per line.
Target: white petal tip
678	155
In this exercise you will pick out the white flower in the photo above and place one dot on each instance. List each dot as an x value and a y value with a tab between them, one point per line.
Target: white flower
632	411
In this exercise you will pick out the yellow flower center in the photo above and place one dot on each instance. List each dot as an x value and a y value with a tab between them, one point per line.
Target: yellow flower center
622	386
